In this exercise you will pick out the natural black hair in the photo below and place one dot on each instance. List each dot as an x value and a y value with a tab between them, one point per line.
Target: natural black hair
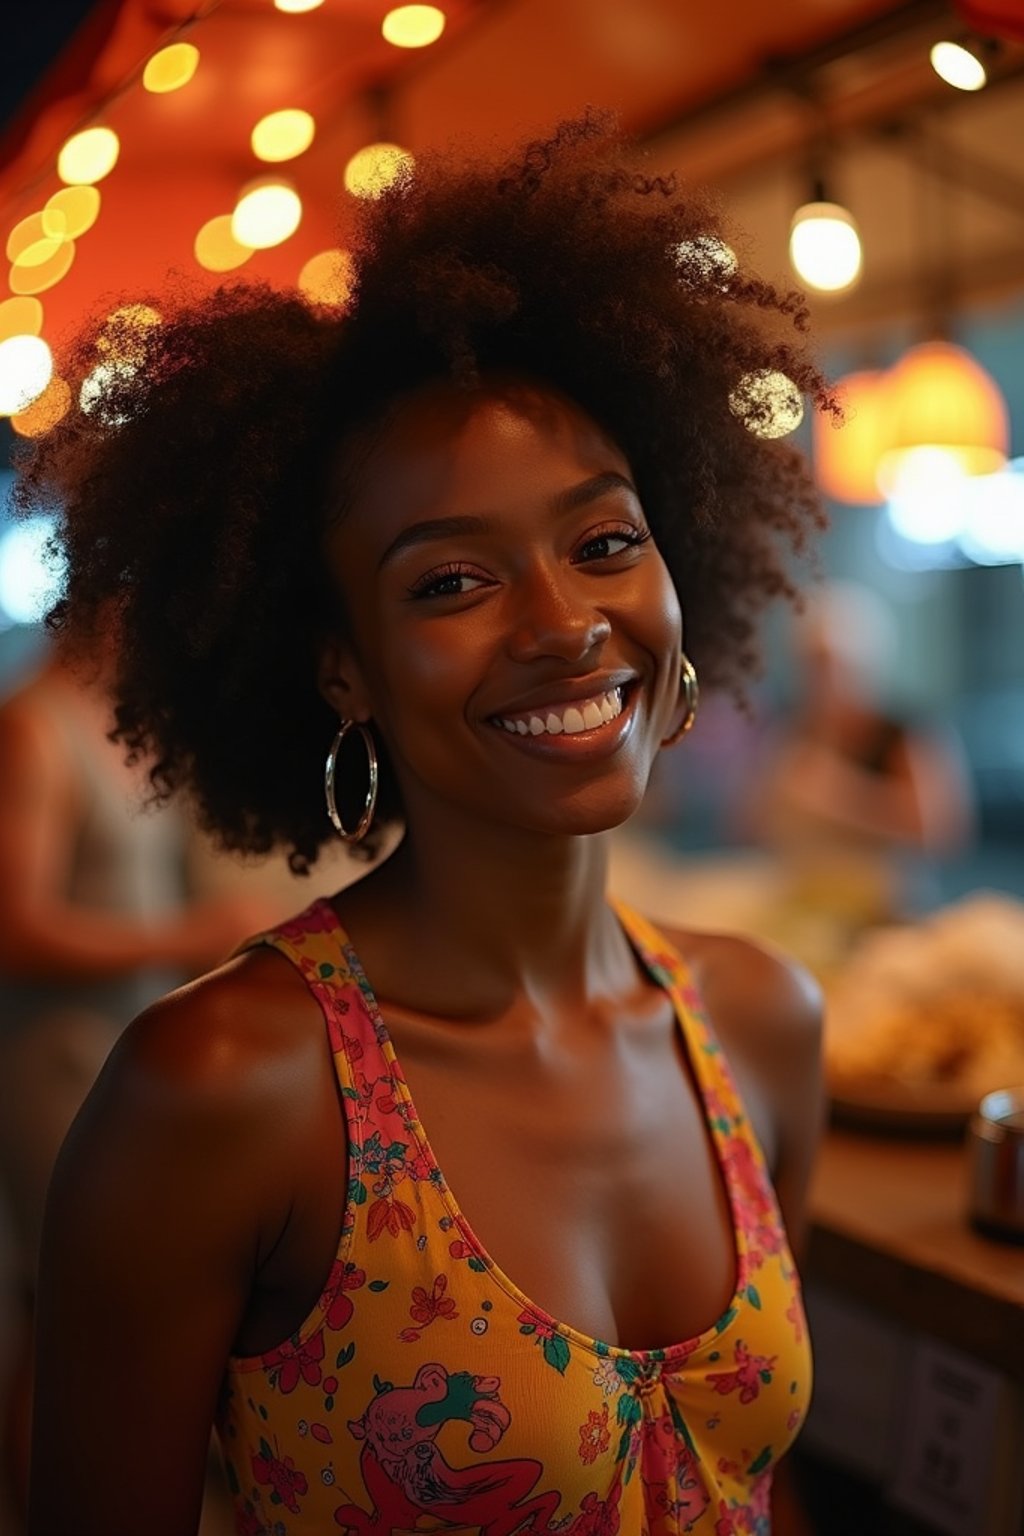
195	493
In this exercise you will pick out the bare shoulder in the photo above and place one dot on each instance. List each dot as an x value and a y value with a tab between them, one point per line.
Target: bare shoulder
228	1034
756	995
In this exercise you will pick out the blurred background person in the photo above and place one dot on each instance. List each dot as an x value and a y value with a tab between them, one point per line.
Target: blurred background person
856	799
95	923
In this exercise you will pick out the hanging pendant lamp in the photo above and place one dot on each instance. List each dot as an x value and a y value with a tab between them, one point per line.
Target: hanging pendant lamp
846	457
944	413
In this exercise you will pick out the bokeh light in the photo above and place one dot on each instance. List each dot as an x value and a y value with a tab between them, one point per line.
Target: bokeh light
265	215
71	211
825	248
958	66
373	168
88	156
20	317
768	403
326	278
283	135
26	367
413	26
45	412
171	68
42	275
216	248
31	572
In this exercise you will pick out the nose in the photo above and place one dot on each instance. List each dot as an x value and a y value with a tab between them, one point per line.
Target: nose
556	617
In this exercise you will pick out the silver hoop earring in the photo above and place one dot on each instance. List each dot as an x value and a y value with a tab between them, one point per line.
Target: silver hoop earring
358	832
691	698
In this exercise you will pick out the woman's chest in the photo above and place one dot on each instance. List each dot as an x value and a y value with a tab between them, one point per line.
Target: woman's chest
588	1174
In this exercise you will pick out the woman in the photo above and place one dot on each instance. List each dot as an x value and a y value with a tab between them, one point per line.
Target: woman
455	533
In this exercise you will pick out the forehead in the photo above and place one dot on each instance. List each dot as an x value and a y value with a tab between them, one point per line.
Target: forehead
505	447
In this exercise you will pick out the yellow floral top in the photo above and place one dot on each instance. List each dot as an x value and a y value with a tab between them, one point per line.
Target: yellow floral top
426	1392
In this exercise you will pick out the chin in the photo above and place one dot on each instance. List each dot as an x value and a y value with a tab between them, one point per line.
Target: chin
597	809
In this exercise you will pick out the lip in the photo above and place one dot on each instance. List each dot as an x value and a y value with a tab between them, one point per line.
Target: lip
600	742
558	695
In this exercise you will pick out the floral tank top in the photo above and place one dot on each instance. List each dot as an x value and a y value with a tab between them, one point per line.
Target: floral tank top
426	1392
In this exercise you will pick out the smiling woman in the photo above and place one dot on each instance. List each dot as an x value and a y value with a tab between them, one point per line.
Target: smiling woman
461	535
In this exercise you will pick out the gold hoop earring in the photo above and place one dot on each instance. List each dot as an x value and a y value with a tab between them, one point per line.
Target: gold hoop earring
691	698
358	832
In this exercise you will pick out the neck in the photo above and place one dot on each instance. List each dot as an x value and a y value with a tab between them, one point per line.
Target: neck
509	912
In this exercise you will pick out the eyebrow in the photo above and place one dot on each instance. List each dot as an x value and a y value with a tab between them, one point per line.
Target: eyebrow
445	527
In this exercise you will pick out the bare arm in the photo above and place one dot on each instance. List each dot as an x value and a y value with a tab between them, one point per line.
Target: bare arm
168	1194
41	933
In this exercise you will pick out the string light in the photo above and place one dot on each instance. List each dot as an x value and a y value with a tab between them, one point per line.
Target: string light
71	211
413	26
216	248
283	135
265	215
171	68
88	156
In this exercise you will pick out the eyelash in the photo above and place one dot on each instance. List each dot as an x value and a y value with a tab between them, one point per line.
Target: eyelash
424	587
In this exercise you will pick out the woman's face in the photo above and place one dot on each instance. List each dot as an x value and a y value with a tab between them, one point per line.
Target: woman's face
514	634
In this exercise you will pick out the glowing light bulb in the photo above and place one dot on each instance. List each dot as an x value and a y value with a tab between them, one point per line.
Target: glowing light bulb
283	135
171	68
767	402
26	367
216	248
824	247
413	26
372	169
297	7
958	66
88	156
326	278
266	215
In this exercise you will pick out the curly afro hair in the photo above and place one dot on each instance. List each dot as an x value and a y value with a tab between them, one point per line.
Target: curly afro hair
196	491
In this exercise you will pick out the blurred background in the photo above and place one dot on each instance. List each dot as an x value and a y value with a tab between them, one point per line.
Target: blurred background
865	807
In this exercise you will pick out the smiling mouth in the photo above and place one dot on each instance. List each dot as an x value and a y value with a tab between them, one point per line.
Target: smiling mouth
565	719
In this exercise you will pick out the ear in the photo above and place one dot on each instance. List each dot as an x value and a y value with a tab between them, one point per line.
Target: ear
340	681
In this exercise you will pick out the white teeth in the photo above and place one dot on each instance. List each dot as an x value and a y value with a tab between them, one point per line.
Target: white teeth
583	716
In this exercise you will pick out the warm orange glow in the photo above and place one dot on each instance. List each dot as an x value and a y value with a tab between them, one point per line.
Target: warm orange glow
940	397
266	214
846	458
413	26
42	275
20	317
45	411
171	68
375	167
327	278
216	248
71	211
297	7
283	135
88	156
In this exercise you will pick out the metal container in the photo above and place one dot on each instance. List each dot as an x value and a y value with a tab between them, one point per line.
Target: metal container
995	1147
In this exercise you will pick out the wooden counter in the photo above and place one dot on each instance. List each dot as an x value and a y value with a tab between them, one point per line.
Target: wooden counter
889	1229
